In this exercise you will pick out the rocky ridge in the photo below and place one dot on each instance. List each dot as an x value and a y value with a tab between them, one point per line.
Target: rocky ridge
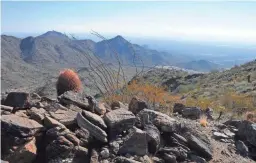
77	128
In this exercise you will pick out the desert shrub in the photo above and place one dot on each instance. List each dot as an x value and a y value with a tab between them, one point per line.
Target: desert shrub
155	96
68	80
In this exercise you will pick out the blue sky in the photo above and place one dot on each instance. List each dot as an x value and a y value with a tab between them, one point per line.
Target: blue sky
224	21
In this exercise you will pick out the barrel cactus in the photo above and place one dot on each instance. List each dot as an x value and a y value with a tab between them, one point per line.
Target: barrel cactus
68	81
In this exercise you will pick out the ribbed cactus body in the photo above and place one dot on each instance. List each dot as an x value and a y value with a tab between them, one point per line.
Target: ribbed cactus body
68	81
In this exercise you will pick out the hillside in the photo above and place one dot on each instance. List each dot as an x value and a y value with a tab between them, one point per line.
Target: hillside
207	84
200	65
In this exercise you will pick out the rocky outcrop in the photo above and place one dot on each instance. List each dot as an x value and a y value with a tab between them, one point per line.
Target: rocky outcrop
72	129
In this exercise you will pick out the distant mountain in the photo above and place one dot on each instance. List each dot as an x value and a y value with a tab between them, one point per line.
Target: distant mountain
200	65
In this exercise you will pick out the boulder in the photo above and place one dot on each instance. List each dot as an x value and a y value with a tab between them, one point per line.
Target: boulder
117	105
17	99
196	158
162	121
199	146
25	153
169	158
59	148
19	126
136	105
247	131
119	120
94	119
178	107
95	131
191	112
153	138
242	148
134	143
78	99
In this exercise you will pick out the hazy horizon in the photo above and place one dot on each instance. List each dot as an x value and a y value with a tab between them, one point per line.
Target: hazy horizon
190	21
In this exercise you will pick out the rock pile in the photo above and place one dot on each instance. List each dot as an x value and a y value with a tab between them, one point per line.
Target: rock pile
76	128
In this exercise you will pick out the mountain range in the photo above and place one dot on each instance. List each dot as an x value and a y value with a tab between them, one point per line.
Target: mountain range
27	61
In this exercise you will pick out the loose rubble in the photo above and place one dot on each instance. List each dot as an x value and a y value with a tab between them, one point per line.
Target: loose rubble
77	128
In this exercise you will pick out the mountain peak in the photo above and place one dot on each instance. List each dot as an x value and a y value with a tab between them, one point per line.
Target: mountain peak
119	38
53	33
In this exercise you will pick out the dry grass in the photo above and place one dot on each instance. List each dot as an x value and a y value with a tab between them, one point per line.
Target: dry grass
155	96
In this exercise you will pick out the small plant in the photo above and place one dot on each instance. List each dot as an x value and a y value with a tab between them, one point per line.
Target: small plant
68	81
203	121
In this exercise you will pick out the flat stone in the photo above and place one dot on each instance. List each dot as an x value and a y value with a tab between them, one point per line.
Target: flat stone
134	143
199	146
95	119
19	126
162	121
95	131
119	120
191	112
218	135
65	117
121	159
50	123
78	99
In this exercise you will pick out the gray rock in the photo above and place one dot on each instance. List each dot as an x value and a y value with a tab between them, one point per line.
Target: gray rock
153	138
117	105
25	153
235	123
19	126
179	153
229	133
218	135
134	143
178	107
97	132
94	119
169	158
196	158
157	160
66	117
199	146
72	138
162	121
81	151
136	105
119	120
6	108
59	148
121	159
55	132
191	112
114	146
94	156
104	153
180	138
247	131
17	99
242	148
78	99
50	123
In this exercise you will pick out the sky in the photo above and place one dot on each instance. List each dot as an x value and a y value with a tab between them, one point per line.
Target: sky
196	20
